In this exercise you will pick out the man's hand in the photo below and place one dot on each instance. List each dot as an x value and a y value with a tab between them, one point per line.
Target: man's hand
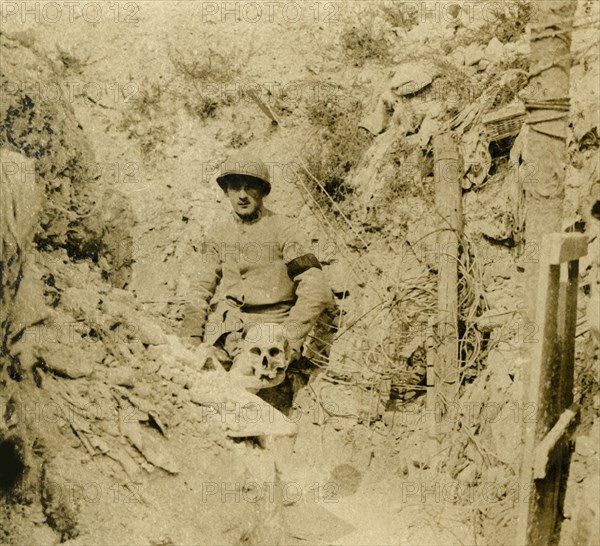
294	348
295	334
295	353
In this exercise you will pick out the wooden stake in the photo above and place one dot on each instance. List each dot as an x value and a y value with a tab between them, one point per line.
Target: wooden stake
448	194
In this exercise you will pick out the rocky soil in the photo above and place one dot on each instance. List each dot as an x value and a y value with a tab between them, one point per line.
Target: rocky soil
118	432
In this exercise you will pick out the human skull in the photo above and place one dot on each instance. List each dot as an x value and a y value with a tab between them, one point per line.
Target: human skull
266	350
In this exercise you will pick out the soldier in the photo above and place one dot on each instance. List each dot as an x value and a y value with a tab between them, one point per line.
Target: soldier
264	267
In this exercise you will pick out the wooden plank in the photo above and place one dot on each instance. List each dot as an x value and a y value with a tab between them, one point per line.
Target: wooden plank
547	447
532	527
557	392
550	388
567	247
567	310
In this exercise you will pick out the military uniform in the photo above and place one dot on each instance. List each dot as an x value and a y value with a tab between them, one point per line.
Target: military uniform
266	274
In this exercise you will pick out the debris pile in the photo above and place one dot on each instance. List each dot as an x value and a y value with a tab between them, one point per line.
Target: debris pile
479	90
102	405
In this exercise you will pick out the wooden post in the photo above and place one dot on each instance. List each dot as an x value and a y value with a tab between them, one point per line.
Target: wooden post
545	157
545	151
546	441
448	196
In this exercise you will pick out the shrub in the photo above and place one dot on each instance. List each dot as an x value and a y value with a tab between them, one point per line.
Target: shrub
338	147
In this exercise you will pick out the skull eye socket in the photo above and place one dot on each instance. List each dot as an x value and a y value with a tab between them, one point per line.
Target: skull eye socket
255	350
274	351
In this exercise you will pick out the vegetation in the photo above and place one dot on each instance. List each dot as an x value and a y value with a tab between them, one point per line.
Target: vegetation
201	85
338	146
508	25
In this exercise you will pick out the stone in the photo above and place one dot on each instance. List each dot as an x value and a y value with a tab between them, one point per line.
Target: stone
458	56
143	389
501	302
121	376
119	311
25	37
19	213
435	109
483	65
428	128
410	78
29	306
80	302
149	333
473	54
494	50
154	352
180	378
165	371
68	361
124	296
427	451
378	120
519	48
314	69
99	443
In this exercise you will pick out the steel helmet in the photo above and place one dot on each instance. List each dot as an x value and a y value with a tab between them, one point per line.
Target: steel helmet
247	165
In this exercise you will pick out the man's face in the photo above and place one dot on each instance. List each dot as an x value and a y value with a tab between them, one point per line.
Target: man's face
246	195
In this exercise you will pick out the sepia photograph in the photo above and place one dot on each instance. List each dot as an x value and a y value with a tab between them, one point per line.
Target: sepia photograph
299	272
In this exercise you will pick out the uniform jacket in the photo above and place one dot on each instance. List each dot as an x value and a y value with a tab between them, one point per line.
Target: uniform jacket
264	268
